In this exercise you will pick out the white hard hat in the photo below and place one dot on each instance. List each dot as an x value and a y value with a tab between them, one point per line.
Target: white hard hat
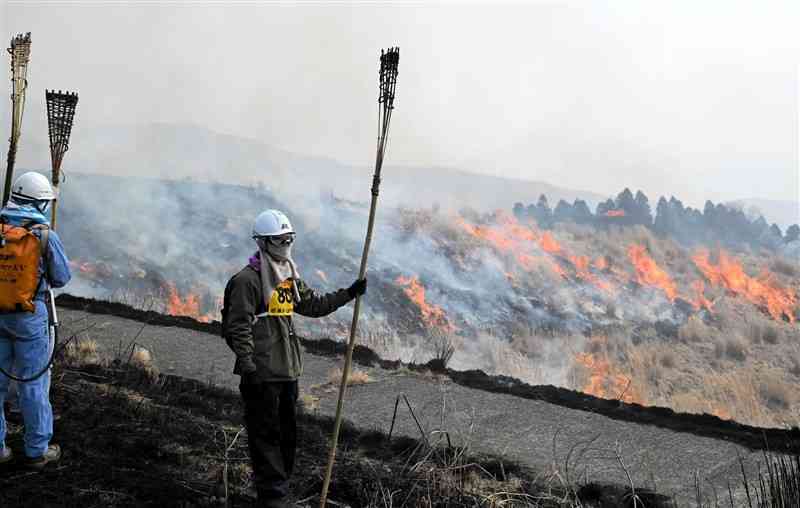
32	186
271	223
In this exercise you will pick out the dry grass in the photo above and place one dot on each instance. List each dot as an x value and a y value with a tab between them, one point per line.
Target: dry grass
775	392
668	359
734	394
764	331
444	345
695	330
143	359
736	349
81	352
794	369
308	402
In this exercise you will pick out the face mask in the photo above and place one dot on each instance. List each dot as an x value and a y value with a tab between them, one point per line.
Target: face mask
282	252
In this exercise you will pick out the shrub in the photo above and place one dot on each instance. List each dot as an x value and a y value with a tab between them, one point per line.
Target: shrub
736	349
795	368
772	333
764	331
776	393
81	352
719	349
444	347
785	267
695	330
143	359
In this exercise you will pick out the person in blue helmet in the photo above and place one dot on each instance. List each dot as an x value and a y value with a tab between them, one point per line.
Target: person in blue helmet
24	336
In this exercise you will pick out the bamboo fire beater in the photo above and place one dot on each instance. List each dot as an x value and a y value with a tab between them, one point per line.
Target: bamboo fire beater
388	82
60	114
20	51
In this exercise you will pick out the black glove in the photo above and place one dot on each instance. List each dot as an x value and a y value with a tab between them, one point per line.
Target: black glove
358	288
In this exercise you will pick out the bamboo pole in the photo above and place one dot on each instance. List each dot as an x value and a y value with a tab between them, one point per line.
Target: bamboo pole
388	82
20	51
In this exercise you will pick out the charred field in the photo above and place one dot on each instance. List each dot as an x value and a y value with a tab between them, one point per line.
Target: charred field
655	312
136	437
163	440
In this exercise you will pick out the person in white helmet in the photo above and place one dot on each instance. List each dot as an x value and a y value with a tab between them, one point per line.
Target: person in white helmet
37	252
257	324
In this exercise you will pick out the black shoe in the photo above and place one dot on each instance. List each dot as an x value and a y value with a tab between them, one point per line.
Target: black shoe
273	502
6	455
52	454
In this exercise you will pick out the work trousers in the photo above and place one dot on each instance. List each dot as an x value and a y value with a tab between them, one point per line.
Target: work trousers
270	419
25	350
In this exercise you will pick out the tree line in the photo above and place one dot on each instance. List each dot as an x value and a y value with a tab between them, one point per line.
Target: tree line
716	223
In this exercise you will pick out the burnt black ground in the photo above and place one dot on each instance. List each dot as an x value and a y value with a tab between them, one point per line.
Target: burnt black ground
548	429
133	439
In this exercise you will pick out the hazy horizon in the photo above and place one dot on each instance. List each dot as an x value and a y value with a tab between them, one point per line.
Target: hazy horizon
696	101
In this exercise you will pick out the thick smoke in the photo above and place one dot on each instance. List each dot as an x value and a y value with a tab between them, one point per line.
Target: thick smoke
146	241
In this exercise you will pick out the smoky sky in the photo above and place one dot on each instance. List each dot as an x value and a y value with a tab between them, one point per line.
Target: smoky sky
695	99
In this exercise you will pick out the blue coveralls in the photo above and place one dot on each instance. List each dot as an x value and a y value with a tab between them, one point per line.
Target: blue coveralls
25	342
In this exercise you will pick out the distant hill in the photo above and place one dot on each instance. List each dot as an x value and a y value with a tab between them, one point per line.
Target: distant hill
191	152
184	151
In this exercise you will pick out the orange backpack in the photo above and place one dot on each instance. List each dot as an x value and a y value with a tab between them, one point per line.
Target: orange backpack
20	254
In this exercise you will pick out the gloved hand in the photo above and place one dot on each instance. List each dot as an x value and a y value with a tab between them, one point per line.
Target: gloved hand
358	288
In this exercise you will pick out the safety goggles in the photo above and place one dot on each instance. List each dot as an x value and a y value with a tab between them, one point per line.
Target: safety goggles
281	240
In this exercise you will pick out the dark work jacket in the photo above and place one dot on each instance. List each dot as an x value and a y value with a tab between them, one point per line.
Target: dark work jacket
267	345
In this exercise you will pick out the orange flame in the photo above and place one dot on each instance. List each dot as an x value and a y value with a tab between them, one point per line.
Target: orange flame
600	263
95	271
648	273
549	244
604	380
508	235
557	268
322	276
190	306
581	264
432	315
700	301
721	412
764	291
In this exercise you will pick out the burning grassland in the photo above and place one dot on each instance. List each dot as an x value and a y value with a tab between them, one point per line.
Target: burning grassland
573	305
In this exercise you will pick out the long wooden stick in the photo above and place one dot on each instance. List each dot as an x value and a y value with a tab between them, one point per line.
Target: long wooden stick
20	52
388	81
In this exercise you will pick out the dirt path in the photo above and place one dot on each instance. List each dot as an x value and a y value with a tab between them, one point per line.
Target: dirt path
579	445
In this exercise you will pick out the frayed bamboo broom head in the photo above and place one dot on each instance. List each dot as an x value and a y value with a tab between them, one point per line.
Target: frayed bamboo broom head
60	115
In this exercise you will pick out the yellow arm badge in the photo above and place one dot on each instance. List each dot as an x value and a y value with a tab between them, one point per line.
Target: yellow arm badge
281	303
